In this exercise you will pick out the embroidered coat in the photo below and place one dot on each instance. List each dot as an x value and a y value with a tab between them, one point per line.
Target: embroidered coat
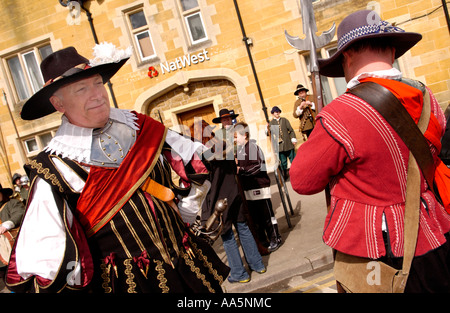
115	236
365	163
309	120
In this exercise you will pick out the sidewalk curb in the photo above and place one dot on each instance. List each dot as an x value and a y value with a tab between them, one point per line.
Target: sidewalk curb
280	272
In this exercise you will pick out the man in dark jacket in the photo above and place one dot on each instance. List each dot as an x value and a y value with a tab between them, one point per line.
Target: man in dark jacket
11	213
11	210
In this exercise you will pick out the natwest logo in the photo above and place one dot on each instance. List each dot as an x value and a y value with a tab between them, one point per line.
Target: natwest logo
184	61
179	63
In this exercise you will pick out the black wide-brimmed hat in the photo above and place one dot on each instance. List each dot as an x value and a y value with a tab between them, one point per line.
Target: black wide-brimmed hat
58	69
7	192
366	24
300	87
224	113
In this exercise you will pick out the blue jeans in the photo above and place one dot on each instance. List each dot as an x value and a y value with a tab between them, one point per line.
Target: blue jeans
251	252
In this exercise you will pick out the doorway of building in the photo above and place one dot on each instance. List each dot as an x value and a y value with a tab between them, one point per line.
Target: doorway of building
206	113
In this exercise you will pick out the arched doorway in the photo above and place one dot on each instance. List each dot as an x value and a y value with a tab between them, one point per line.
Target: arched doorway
199	99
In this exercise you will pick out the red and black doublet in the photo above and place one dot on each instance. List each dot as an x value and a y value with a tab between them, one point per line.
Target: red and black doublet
125	239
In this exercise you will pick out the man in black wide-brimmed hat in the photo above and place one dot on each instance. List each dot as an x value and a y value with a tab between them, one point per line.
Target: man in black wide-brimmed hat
356	150
101	214
304	110
226	118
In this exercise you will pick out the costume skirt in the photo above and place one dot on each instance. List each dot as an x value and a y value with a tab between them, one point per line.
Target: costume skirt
147	248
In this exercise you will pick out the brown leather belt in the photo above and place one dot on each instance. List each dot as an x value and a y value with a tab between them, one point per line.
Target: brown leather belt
157	190
160	192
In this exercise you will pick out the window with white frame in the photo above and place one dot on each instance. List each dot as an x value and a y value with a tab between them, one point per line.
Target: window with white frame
25	72
141	34
193	21
34	144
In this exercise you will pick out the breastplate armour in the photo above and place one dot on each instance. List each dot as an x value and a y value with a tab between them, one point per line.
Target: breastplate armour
111	144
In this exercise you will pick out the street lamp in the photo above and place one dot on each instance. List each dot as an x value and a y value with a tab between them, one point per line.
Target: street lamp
66	3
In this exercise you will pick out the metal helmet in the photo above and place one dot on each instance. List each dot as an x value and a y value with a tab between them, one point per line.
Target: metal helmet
24	180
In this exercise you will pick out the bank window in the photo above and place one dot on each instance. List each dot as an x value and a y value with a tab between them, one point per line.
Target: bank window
25	71
35	144
193	21
141	33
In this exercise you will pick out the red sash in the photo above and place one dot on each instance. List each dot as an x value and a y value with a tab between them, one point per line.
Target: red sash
108	189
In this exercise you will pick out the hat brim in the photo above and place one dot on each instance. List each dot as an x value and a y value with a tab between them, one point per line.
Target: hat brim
39	105
8	192
402	42
216	120
298	91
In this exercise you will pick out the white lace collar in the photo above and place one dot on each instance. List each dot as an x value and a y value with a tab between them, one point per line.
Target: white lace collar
74	142
392	73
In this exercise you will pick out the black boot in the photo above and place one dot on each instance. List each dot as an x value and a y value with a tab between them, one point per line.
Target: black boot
274	244
275	241
286	175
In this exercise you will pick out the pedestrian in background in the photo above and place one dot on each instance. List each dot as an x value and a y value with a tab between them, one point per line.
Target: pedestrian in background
283	139
11	210
252	172
224	185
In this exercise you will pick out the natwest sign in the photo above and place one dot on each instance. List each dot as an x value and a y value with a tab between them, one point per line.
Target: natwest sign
179	63
184	61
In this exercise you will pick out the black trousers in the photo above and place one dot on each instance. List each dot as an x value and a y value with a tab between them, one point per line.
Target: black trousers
261	213
430	273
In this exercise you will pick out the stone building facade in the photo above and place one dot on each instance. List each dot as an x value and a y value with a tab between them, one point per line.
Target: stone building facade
190	58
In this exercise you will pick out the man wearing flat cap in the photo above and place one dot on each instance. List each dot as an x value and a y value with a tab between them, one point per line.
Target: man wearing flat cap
361	156
283	139
103	213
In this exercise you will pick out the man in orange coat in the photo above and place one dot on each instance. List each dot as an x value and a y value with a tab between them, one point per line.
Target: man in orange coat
356	152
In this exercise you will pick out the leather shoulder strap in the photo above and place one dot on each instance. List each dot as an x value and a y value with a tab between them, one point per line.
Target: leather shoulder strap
398	117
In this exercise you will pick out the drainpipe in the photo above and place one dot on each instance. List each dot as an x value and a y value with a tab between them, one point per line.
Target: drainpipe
447	18
91	24
248	43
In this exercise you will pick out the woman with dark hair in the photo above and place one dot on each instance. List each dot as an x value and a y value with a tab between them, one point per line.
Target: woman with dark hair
224	185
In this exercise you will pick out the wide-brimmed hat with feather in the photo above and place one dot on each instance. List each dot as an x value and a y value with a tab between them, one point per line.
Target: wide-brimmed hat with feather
66	66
